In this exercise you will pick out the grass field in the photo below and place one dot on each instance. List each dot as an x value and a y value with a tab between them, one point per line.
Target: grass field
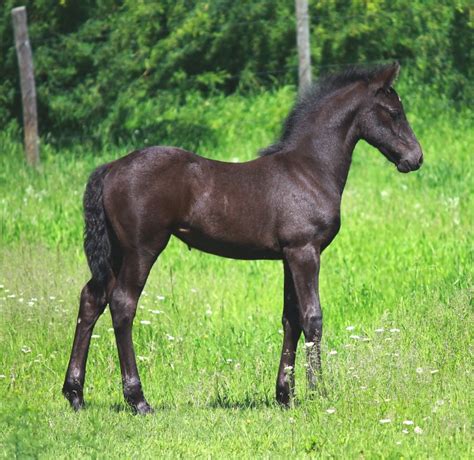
396	288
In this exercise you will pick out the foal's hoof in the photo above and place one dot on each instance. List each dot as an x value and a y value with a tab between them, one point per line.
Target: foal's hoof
318	392
75	399
142	408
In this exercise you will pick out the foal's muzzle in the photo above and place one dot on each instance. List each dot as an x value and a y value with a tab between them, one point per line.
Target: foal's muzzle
411	163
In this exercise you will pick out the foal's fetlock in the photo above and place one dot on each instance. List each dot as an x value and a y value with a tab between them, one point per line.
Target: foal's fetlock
284	394
74	394
283	398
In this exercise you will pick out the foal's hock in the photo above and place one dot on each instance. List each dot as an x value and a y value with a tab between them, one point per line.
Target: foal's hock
283	205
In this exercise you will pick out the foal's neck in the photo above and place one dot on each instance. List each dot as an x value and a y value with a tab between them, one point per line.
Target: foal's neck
331	138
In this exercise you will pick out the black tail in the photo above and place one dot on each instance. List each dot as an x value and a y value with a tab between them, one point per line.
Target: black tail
96	233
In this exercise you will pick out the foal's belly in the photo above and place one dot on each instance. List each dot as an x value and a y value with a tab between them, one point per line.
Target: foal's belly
220	247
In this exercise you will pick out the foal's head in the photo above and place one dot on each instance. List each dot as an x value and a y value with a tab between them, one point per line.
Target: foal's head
383	123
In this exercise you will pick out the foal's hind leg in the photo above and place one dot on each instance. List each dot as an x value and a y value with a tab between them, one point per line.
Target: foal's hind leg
93	302
292	331
123	305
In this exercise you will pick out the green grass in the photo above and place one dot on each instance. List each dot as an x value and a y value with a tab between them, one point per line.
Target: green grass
208	359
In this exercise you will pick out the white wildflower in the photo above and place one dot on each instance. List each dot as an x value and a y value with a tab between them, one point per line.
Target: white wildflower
156	312
405	431
394	329
160	297
169	337
434	371
95	336
354	337
145	322
418	430
407	422
228	360
419	370
350	328
3	376
332	352
331	410
385	420
380	330
25	349
309	345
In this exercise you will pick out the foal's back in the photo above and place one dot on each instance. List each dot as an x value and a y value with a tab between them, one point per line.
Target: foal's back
229	209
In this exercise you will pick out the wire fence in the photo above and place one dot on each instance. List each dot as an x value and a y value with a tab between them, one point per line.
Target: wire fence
142	139
217	19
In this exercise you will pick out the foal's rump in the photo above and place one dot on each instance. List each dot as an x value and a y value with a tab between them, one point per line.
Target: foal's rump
145	192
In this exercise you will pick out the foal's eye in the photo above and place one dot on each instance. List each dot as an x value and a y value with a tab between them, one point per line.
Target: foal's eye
395	114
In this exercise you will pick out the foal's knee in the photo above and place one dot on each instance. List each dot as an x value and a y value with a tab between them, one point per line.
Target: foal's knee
313	325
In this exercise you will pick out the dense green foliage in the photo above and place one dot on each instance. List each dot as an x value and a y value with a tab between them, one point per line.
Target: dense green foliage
114	69
207	329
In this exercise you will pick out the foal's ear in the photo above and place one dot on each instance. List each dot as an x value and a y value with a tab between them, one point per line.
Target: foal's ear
384	79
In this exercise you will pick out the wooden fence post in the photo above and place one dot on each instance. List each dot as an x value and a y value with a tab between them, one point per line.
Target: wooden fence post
302	40
27	81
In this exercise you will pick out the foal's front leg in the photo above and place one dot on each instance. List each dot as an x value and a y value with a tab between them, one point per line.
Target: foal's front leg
304	266
292	331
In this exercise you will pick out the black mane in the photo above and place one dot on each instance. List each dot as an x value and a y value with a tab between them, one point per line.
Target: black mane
312	97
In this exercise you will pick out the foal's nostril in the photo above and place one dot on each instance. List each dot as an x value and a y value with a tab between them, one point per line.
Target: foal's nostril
420	161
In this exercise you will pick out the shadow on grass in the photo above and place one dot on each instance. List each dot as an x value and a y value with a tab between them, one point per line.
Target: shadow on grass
248	402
